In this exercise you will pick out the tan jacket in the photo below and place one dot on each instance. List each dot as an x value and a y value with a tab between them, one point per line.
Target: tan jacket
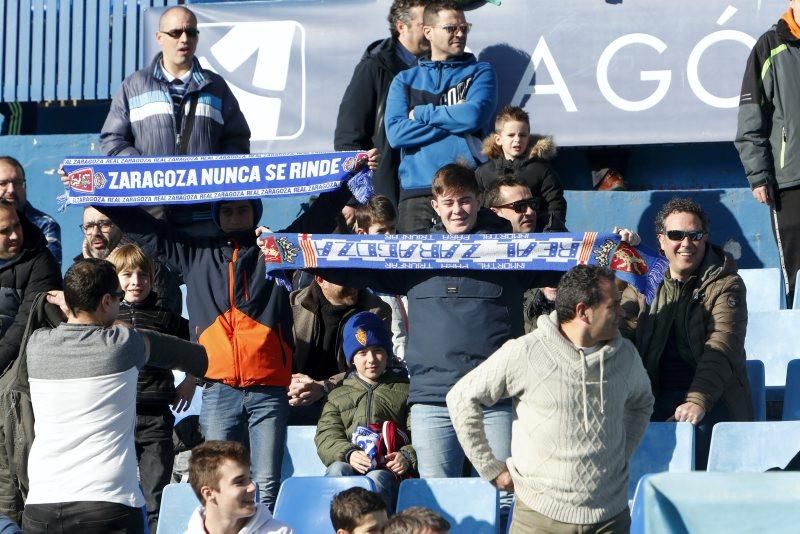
716	323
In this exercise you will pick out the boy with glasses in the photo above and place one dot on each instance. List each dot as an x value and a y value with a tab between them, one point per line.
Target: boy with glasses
438	111
691	337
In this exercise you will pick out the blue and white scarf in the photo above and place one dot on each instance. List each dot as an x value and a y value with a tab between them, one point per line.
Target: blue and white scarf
639	266
192	179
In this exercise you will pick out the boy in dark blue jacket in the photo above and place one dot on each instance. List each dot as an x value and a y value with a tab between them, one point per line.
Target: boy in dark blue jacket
438	111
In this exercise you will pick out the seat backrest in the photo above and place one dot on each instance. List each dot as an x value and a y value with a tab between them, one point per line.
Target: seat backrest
470	505
300	458
177	504
637	509
791	396
758	389
305	502
664	447
754	446
721	502
774	338
764	289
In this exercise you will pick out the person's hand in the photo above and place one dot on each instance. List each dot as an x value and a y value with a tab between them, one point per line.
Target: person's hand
373	158
63	175
629	236
349	215
303	390
411	114
397	463
57	298
263	230
184	394
360	461
690	412
763	194
503	482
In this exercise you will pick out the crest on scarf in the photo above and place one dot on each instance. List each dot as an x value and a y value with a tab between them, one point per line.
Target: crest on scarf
620	257
278	250
361	337
86	180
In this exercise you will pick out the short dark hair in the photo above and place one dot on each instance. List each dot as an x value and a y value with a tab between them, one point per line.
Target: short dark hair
349	506
87	282
415	519
493	196
379	209
206	459
581	284
680	205
455	177
431	14
401	11
14	163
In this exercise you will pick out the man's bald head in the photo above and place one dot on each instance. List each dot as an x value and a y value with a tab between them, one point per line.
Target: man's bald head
166	15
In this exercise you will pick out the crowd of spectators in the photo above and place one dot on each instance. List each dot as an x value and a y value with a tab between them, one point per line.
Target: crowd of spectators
540	383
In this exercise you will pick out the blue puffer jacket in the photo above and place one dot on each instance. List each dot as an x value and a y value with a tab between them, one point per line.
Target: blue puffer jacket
453	102
141	119
457	318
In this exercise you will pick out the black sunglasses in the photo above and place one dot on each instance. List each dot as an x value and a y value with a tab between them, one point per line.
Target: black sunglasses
680	235
520	206
191	33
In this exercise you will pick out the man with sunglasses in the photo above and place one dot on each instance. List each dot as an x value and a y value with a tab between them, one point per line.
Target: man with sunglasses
691	336
174	106
438	111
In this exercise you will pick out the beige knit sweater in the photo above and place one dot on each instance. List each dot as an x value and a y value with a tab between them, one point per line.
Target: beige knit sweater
577	421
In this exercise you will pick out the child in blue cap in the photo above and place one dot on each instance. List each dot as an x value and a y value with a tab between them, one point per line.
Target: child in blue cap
361	429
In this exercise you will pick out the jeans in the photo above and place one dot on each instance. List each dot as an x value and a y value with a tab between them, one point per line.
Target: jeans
386	483
415	215
439	454
86	517
256	417
155	452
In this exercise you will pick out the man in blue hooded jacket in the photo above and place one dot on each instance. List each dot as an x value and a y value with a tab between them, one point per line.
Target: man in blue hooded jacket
436	112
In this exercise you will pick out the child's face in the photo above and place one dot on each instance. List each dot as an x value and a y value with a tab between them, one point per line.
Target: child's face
383	228
458	210
370	363
513	139
135	283
236	496
371	523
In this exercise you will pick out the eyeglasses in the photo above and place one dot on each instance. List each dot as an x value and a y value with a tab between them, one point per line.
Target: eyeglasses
452	28
19	182
118	295
680	235
520	206
103	226
191	33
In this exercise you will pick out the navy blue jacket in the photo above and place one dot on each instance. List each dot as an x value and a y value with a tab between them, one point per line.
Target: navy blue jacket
457	318
453	102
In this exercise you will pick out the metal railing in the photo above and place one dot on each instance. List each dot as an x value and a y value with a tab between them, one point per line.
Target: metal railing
69	49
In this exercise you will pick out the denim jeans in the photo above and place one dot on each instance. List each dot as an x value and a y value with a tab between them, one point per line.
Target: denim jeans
386	483
439	454
256	417
86	517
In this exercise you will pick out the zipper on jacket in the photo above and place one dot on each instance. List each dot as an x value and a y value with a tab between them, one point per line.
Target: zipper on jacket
232	299
783	146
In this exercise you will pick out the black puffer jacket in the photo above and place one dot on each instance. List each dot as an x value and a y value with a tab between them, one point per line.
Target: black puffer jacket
359	125
155	388
21	279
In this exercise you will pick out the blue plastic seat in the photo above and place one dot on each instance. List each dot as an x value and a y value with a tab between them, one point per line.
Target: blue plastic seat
765	291
471	505
754	446
774	338
305	502
637	509
664	447
721	502
300	458
177	504
758	389
791	398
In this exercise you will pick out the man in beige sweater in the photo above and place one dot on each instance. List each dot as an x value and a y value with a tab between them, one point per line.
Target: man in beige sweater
581	400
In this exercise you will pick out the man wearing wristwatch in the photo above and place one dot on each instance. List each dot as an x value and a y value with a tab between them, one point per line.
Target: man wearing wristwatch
691	336
320	312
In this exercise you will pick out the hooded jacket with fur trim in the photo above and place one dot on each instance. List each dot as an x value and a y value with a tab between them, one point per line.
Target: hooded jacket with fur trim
535	170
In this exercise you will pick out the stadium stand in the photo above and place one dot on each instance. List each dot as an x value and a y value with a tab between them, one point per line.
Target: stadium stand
470	505
758	390
764	289
305	514
753	447
664	447
177	504
300	457
791	397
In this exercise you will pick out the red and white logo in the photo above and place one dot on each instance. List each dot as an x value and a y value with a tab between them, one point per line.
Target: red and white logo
82	180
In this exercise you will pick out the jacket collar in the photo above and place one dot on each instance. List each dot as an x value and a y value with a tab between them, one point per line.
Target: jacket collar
198	78
464	59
